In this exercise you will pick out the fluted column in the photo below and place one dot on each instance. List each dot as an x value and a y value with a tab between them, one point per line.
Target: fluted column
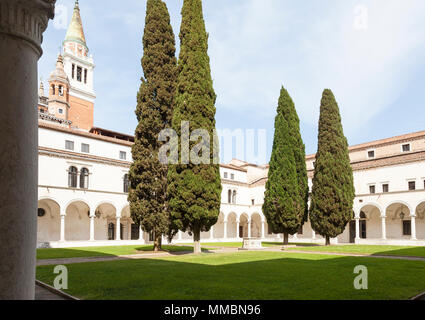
22	23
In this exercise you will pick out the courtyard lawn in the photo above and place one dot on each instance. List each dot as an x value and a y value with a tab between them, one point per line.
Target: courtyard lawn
404	251
104	251
239	244
242	275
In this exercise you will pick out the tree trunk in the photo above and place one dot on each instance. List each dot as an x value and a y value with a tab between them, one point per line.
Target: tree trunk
285	239
328	241
197	241
157	244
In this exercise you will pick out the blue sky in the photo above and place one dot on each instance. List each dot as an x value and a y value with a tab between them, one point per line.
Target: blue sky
371	53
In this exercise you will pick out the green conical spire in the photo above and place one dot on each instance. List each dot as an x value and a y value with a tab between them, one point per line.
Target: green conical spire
75	30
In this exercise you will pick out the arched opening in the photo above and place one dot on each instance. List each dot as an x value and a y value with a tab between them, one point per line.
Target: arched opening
72	177
420	221
256	225
105	216
48	221
243	225
219	227
398	221
370	226
84	178
53	89
232	226
77	221
128	226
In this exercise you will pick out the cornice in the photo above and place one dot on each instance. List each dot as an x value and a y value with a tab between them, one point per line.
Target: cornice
26	19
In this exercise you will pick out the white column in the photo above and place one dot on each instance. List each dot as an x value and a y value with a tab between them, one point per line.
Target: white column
295	236
180	237
140	233
384	228
225	229
21	33
249	228
357	228
212	233
263	228
118	232
313	234
62	234
92	228
237	230
413	227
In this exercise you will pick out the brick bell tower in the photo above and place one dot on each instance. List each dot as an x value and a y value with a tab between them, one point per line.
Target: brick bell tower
58	103
79	66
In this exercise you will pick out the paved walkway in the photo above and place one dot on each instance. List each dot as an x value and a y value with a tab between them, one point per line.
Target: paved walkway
44	294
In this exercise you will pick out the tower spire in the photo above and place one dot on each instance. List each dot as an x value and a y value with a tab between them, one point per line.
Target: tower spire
75	31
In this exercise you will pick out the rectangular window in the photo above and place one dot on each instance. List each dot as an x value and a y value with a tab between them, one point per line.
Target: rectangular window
85	148
73	71
225	175
85	75
407	228
123	155
372	189
406	147
412	185
371	154
69	145
253	201
385	188
232	176
79	74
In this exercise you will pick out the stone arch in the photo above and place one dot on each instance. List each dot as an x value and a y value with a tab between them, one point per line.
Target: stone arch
232	223
420	220
77	221
396	213
48	225
244	219
256	225
370	215
105	213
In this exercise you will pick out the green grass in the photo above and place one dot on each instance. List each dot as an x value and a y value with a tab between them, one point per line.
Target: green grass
43	254
239	244
404	251
242	275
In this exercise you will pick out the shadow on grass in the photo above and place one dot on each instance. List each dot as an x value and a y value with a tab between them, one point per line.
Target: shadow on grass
112	251
242	276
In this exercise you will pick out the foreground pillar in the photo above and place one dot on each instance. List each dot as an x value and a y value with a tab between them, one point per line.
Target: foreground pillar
22	23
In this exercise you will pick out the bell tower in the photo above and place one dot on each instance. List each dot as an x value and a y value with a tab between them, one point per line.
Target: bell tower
58	103
79	66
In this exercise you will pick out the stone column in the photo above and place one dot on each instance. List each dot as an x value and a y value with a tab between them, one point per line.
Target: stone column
313	234
225	229
237	230
22	23
140	233
263	228
62	228
180	235
92	227
384	228
357	228
413	217
118	232
212	233
249	228
295	236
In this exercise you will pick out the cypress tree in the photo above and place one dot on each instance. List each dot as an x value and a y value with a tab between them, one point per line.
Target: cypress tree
148	177
194	189
285	203
333	190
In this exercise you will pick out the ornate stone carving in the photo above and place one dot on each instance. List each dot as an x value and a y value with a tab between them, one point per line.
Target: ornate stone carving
26	19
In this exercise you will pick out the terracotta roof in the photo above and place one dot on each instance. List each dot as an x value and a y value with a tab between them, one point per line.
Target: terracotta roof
83	134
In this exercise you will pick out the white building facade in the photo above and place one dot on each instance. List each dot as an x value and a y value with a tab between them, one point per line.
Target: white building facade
83	176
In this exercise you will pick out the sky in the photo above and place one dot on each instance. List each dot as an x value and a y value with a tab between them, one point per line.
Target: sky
370	53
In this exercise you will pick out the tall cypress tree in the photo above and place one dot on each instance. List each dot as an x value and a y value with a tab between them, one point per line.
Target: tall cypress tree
286	196
333	190
148	177
194	189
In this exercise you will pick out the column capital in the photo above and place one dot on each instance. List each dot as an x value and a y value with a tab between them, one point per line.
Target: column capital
26	19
